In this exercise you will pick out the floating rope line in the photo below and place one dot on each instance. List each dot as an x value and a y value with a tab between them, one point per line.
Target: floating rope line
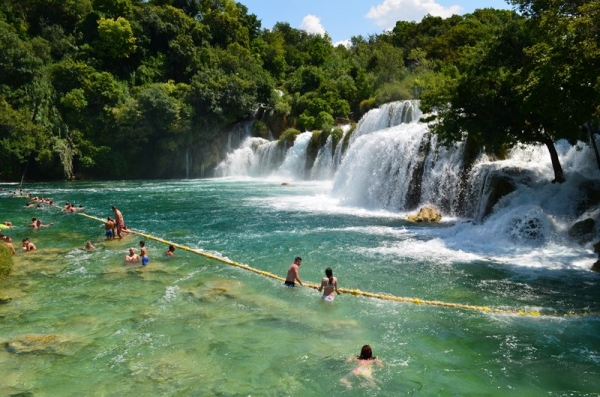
355	292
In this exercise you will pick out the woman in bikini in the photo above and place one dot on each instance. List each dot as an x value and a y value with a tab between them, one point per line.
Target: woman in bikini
329	284
364	369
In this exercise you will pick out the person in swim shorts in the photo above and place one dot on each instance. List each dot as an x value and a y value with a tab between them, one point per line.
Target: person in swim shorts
119	221
144	253
109	227
293	273
364	369
329	284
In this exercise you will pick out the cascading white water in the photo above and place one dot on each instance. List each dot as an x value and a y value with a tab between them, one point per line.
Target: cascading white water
378	168
294	165
393	162
323	167
388	115
242	161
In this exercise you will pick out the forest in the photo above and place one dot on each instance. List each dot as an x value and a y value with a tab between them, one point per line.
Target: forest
130	89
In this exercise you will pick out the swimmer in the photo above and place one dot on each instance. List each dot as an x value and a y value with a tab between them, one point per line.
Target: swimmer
293	273
38	224
28	245
9	244
119	221
364	369
170	251
7	223
144	253
109	227
89	246
132	257
328	285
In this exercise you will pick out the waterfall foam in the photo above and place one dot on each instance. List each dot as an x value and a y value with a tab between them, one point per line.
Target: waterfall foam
393	163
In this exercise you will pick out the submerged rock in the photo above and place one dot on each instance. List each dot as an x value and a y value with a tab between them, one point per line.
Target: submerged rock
426	214
38	344
596	267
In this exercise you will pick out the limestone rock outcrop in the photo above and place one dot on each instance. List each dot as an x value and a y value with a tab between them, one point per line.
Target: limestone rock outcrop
426	214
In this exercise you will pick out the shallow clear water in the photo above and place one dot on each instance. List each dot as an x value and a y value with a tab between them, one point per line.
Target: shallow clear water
192	326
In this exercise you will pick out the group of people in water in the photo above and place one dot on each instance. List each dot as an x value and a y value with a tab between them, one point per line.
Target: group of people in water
113	228
116	228
329	286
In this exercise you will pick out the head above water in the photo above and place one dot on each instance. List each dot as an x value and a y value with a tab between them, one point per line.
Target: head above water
142	244
297	260
366	353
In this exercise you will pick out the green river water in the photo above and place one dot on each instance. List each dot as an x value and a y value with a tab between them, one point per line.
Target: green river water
81	323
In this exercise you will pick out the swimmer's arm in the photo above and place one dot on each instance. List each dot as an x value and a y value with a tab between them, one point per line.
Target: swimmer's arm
336	289
320	287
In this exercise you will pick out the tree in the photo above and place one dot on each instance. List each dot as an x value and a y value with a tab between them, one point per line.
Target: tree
116	39
492	100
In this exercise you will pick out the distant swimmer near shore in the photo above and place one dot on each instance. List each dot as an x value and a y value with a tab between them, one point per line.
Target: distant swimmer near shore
293	273
170	251
89	246
28	245
109	228
132	257
119	221
144	253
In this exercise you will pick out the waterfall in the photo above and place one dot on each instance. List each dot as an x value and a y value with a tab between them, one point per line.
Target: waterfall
323	167
294	165
378	168
242	161
388	115
392	161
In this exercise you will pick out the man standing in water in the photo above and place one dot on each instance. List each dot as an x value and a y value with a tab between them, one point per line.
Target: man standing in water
293	273
109	227
119	221
143	253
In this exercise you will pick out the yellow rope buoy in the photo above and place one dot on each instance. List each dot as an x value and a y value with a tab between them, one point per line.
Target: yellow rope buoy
355	292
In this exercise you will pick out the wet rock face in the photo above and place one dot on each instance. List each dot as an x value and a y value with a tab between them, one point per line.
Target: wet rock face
426	214
582	231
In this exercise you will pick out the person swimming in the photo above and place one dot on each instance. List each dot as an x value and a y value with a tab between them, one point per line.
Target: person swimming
170	251
364	370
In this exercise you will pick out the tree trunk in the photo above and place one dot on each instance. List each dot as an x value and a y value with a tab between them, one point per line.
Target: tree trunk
559	176
593	143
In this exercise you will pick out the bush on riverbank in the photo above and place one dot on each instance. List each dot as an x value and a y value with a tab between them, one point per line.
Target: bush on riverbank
6	261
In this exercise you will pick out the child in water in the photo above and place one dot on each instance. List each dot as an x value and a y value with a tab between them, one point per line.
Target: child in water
364	368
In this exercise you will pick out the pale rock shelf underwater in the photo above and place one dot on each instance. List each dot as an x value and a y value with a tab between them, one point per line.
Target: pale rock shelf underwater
82	323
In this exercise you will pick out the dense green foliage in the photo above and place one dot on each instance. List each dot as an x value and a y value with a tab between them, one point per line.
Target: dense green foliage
535	81
144	89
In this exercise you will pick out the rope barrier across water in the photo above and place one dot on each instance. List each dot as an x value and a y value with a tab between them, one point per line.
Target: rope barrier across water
355	292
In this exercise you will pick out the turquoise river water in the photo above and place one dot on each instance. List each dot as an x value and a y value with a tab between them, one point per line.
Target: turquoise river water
81	323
